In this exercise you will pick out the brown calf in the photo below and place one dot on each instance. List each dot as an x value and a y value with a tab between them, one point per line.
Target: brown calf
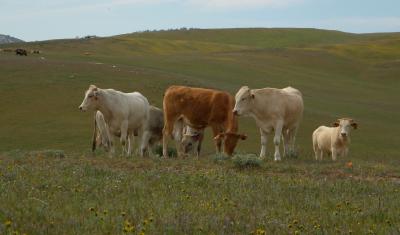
201	108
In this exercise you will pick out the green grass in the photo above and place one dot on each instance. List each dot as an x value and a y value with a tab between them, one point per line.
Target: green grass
339	74
82	194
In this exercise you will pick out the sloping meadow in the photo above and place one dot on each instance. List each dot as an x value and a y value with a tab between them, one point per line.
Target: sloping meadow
68	191
52	193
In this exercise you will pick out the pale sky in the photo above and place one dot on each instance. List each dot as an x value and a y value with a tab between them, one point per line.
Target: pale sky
42	19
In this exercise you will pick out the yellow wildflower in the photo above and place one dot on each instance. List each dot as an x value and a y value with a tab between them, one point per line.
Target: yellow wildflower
8	223
260	231
145	222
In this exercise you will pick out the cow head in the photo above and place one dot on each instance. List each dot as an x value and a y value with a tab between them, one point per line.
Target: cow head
189	140
90	102
344	125
230	140
243	101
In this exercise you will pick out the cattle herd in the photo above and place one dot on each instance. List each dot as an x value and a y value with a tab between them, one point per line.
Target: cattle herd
187	111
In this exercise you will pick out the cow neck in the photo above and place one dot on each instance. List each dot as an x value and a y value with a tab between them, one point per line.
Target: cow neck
232	122
253	111
105	107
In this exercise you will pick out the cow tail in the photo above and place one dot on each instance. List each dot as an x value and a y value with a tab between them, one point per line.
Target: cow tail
94	134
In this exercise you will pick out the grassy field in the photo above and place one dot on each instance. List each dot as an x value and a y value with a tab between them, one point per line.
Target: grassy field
339	74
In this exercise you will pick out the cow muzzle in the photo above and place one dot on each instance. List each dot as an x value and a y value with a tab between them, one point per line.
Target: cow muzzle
343	134
235	112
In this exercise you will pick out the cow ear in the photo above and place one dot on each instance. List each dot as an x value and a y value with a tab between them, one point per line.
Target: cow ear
93	87
96	95
252	96
243	136
335	124
354	125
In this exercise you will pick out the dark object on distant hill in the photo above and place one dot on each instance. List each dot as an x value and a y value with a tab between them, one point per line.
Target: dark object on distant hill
90	36
35	52
21	52
4	39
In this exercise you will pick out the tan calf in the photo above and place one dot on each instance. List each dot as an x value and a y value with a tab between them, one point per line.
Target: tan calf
334	140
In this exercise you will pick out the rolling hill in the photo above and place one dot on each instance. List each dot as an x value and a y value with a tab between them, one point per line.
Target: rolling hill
5	39
51	184
340	74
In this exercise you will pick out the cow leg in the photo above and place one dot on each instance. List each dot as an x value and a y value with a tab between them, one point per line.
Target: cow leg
286	143
316	150
218	142
112	146
321	154
145	143
264	141
199	144
130	139
167	132
334	153
277	140
292	139
124	135
345	152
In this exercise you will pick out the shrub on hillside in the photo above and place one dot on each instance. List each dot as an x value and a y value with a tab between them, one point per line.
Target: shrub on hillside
219	157
246	160
158	151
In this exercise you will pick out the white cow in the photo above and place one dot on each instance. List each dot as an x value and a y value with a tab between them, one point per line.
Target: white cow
278	110
187	138
101	136
334	140
124	113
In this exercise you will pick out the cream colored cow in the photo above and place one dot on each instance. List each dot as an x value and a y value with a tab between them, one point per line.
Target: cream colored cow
278	110
124	113
334	140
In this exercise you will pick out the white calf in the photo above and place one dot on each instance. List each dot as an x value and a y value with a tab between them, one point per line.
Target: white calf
334	140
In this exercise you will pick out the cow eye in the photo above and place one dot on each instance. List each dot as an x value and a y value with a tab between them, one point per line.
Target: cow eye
243	99
90	96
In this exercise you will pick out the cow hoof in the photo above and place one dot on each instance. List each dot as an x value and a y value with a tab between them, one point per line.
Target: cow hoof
278	159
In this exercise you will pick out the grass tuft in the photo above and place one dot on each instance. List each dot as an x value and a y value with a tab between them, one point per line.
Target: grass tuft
219	158
49	153
158	151
246	160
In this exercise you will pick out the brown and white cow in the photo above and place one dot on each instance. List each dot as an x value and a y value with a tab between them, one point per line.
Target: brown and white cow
278	110
334	140
201	108
191	140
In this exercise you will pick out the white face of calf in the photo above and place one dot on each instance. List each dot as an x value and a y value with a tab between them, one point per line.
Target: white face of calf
90	102
345	125
243	101
190	139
